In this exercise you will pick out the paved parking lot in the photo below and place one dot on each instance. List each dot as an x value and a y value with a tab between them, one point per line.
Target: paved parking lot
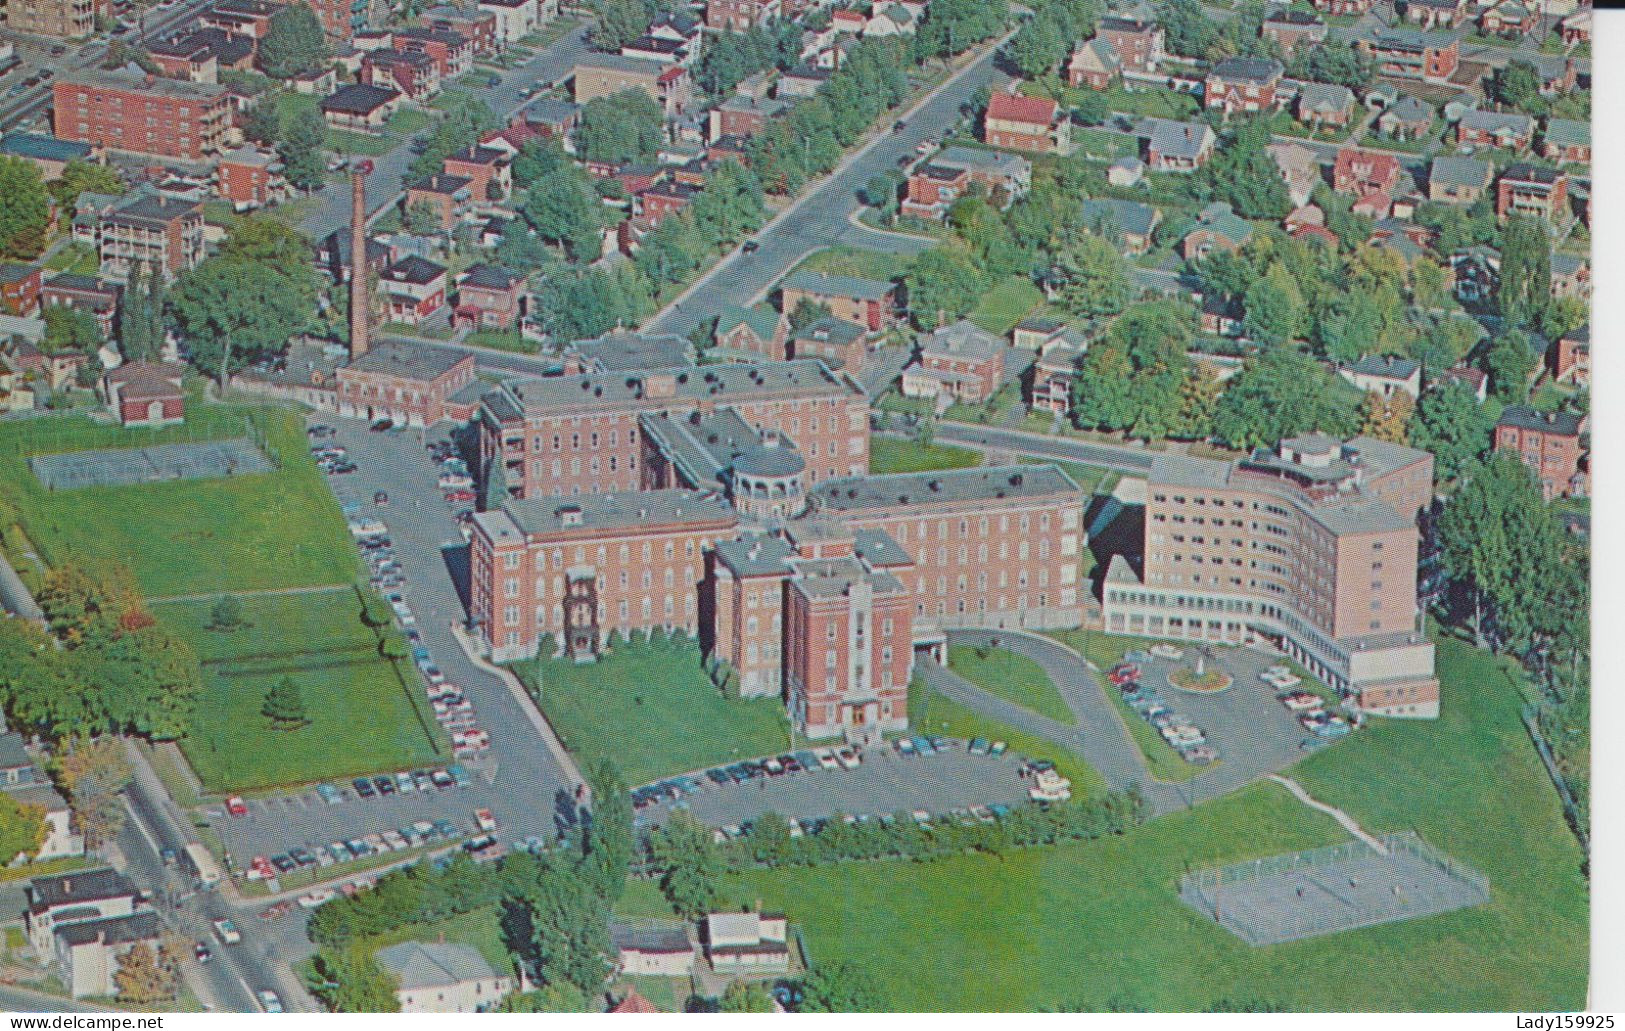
517	778
884	783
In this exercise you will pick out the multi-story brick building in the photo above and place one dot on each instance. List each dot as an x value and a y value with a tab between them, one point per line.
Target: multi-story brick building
871	303
488	171
141	114
757	330
933	187
1549	444
1525	189
147	229
451	52
490	296
1313	546
414	288
1242	85
739	15
580	568
408	384
20	288
477	26
62	19
580	434
604	75
620	351
1290	29
1432	56
86	293
1505	130
962	361
835	342
249	177
1137	42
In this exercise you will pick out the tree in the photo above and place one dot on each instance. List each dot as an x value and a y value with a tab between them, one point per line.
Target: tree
625	126
840	988
143	978
559	997
294	44
1275	308
1510	361
689	864
747	997
69	329
303	138
1199	394
141	321
460	126
1386	418
1283	393
607	843
227	614
564	210
496	485
881	193
247	300
285	705
25	209
1526	271
1190	31
22	828
1245	176
1517	85
93	773
422	217
82	176
945	283
620	22
355	982
1090	277
1450	422
570	929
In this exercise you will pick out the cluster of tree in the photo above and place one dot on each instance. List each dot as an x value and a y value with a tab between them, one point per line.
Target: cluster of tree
555	910
294	43
688	863
116	670
299	136
1135	377
141	322
622	127
562	209
351	980
1047	38
25	209
1516	86
81	177
464	120
92	771
733	57
22	828
727	209
1284	392
148	975
246	300
1336	61
621	21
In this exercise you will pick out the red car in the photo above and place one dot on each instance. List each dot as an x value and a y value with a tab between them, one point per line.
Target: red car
236	806
455	497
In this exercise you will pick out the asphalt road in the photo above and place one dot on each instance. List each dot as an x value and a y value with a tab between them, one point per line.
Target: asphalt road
821	217
1130	460
384	187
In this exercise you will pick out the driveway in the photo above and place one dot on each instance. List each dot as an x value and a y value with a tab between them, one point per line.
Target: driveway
885	783
518	776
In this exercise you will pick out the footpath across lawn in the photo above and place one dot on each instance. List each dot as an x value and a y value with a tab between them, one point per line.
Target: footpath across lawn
1099	923
649	707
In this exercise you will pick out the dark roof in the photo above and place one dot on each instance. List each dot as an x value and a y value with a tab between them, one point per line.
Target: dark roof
77	888
477	156
1385	365
1524	417
358	99
14	273
415	270
441	183
944	486
1526	173
37	145
825	285
153	208
115	930
410	361
550	112
1248	69
491	277
12	753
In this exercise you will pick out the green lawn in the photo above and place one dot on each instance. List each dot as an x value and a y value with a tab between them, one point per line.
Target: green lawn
1102	145
347	141
857	261
1012	677
932	713
75	259
502	340
277	624
1097	923
1010	300
892	455
481	928
650	707
278	529
407	121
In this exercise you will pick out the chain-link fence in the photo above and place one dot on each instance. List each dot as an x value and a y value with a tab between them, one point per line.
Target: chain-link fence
123	467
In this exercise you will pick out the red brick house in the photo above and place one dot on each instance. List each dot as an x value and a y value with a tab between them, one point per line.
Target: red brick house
1530	190
146	393
1342	8
490	297
1360	172
739	15
449	195
414	75
1242	85
250	178
477	26
1570	356
414	289
1290	29
451	52
932	189
1566	139
1549	444
1435	14
1094	64
1035	124
86	293
1413	54
1137	42
20	289
961	361
759	330
744	116
1503	130
836	343
482	167
871	303
665	198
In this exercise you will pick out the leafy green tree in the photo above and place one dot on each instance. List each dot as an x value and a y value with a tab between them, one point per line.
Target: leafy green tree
1275	308
1091	277
82	176
1247	177
303	138
460	126
285	705
881	192
1199	394
689	865
227	614
22	828
570	929
1510	361
93	772
560	997
945	283
625	126
538	159
294	44
141	320
141	977
620	22
496	485
1517	85
353	981
25	209
1450	422
747	997
69	329
840	988
1189	29
1526	271
564	210
1283	393
422	217
607	844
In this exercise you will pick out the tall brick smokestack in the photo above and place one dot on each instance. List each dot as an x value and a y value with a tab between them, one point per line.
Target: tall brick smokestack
360	303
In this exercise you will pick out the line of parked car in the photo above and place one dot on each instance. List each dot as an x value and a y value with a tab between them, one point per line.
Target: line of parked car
803	761
1308	707
962	815
455	482
1179	731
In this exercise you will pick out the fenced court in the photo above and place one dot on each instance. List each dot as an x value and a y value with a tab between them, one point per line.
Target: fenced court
124	467
1336	888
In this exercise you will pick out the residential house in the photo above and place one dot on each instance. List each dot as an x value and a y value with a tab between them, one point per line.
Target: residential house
873	304
1566	139
604	75
837	343
1360	172
1502	130
1093	64
415	75
1321	105
146	394
747	942
1436	14
1508	18
1571	276
249	178
1570	356
740	15
1476	273
1385	374
665	198
1431	56
933	187
414	290
1125	172
1471	377
744	116
435	977
360	106
1558	73
144	228
516	19
449	196
1035	331
1243	85
1128	221
98	297
490	297
757	331
1549	443
961	362
1291	28
487	170
893	19
477	26
632	1002
1179	146
23	783
1054	373
1035	124
1407	119
653	948
23	338
1526	189
1575	29
1458	180
1217	229
1343	8
451	52
1300	170
1138	42
20	287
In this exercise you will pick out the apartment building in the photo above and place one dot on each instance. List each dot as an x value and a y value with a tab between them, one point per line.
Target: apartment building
137	113
1313	545
61	19
1549	444
144	228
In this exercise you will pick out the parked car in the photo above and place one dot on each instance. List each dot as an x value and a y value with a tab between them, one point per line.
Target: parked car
236	806
484	820
1167	651
905	747
269	1000
849	758
202	951
227	932
826	758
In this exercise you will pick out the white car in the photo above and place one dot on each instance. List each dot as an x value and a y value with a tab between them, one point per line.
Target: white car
1167	651
227	932
315	898
269	1002
826	759
1301	702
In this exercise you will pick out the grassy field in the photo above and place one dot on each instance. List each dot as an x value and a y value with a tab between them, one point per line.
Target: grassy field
1010	301
277	624
1099	923
278	529
481	928
891	455
651	708
857	261
407	121
502	340
932	713
1012	677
